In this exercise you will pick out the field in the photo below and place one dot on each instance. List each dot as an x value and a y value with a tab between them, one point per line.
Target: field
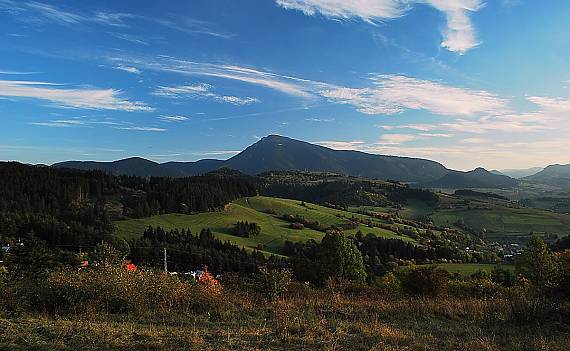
321	321
274	231
506	223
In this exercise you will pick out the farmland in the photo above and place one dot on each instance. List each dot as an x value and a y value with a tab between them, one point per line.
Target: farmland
274	231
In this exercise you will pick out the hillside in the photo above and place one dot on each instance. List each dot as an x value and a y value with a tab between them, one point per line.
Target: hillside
281	153
477	178
274	230
134	166
555	175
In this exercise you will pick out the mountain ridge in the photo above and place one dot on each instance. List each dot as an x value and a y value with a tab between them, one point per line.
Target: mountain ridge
273	153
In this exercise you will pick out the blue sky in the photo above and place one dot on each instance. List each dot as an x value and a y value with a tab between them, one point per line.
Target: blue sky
464	82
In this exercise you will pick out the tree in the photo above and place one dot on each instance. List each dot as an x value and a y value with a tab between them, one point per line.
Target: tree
537	263
340	258
563	259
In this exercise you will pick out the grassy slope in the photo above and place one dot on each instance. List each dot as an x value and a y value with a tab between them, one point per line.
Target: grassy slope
501	222
274	231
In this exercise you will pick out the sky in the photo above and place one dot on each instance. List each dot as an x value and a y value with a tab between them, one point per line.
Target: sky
467	83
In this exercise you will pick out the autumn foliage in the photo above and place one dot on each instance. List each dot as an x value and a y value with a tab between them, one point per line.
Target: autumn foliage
209	282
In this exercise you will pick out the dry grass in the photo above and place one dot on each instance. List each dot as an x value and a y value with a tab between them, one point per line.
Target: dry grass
322	321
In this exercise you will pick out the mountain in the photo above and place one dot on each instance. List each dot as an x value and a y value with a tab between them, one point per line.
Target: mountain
136	166
278	153
194	168
520	173
477	178
556	175
281	153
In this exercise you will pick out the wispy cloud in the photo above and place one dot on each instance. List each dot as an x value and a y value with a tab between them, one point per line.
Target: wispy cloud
129	69
39	12
319	120
130	38
396	139
201	91
289	85
15	73
459	35
386	94
87	122
81	98
393	94
60	123
142	129
176	118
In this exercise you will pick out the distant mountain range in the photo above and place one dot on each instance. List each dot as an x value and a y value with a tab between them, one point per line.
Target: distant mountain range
281	153
477	178
518	173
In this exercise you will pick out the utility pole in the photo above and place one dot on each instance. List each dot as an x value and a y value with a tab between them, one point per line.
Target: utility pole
165	262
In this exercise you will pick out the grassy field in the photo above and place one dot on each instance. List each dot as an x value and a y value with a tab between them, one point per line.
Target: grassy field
501	222
274	231
325	321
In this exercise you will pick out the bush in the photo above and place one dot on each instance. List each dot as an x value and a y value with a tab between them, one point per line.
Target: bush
273	282
296	225
479	288
528	305
425	281
389	284
111	289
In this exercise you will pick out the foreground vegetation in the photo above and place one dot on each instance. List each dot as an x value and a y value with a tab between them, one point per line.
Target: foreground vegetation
317	320
113	305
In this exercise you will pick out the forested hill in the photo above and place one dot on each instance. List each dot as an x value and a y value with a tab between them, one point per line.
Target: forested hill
69	207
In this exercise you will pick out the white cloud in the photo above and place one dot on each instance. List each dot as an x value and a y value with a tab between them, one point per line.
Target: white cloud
142	129
86	122
393	94
174	118
7	72
37	12
396	139
341	145
60	123
285	84
435	135
129	69
84	98
319	120
368	10
201	91
459	35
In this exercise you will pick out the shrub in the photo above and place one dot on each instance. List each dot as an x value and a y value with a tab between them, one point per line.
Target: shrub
208	282
426	281
527	305
389	284
479	288
296	225
113	289
274	282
